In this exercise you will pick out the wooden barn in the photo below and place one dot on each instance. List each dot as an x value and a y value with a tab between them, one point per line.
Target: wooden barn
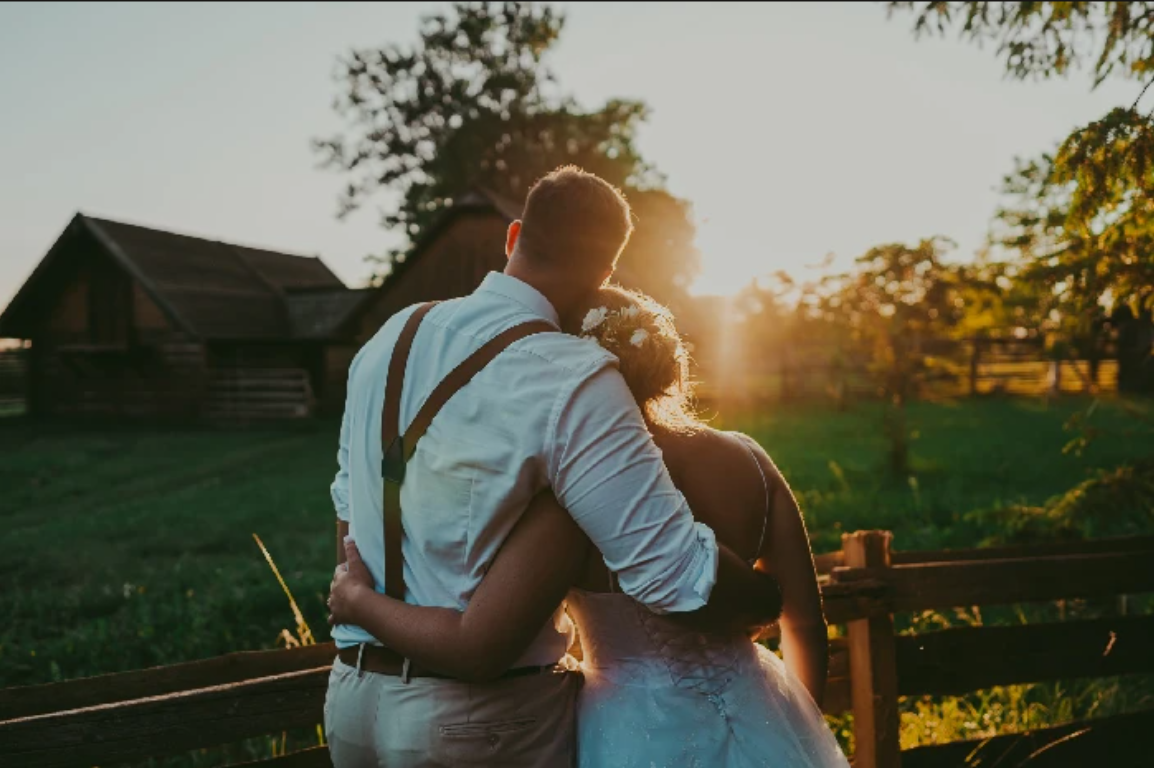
123	320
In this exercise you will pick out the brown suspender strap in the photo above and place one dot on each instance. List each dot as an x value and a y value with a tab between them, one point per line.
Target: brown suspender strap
398	450
393	461
463	374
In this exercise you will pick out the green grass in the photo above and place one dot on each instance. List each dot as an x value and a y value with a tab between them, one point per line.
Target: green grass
967	456
128	548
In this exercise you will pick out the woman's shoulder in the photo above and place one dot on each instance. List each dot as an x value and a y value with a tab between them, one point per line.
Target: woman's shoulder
707	441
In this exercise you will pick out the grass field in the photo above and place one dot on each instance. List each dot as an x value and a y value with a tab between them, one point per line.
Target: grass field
130	548
127	548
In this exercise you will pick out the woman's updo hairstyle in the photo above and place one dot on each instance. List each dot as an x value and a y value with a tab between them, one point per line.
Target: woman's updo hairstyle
652	357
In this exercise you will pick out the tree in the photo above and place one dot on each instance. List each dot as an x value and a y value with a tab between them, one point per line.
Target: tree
473	104
1080	221
896	304
1044	40
1071	267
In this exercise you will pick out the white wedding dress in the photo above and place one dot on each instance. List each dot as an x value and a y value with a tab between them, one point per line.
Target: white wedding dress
659	696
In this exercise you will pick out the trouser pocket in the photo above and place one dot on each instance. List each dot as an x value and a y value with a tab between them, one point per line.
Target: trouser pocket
497	742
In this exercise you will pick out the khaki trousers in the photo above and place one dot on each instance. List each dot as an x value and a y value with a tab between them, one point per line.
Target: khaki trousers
379	721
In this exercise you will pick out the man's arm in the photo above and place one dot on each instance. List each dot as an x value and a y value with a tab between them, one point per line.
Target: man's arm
542	558
339	490
744	599
606	471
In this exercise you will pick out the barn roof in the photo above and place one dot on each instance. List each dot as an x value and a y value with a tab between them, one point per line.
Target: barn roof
213	289
321	314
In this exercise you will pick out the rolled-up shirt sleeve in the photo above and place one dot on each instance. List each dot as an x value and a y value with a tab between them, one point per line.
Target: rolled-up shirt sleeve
606	471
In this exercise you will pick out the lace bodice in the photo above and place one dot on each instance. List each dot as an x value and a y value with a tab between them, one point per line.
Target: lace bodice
625	642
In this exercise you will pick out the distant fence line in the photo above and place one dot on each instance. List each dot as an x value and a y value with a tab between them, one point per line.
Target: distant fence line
956	368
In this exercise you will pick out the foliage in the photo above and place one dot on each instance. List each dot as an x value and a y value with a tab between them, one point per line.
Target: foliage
1081	231
1044	40
1115	502
999	304
473	104
1079	222
894	305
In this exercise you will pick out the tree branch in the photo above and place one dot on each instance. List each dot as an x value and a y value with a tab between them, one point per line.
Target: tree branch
1145	88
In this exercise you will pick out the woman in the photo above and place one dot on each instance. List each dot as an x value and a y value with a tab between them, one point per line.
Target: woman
658	690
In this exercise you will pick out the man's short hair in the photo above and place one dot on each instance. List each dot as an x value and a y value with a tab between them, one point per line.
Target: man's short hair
572	217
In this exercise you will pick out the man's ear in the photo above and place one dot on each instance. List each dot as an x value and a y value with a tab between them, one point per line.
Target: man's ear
511	238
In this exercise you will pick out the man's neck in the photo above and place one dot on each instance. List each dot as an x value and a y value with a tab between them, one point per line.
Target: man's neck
560	294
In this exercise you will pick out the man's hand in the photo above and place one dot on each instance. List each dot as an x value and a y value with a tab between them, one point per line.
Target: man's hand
352	583
764	610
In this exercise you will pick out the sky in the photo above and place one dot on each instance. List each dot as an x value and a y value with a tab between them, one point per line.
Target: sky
797	130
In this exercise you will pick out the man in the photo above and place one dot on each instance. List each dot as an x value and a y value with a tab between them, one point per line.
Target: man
548	411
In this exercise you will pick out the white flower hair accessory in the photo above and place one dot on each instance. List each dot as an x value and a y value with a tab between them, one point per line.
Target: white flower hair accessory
611	328
594	318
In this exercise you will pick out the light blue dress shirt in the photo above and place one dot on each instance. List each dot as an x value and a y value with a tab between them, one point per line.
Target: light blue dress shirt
550	411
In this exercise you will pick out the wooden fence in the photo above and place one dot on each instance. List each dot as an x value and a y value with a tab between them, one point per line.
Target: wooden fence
240	395
169	710
957	368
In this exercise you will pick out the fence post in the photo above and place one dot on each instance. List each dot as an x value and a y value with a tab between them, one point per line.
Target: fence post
873	673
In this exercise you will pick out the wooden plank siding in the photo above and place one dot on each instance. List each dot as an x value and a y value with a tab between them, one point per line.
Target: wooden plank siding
150	323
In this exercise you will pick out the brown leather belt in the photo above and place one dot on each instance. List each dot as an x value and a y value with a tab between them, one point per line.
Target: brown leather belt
385	661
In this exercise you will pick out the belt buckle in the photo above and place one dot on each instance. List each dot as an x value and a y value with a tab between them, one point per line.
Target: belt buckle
407	670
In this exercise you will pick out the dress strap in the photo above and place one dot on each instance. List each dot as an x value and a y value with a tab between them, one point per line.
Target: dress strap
746	440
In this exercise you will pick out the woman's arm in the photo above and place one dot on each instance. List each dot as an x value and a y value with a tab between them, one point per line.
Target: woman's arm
786	555
541	559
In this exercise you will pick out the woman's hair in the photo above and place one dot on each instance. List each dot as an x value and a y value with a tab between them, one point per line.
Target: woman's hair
652	356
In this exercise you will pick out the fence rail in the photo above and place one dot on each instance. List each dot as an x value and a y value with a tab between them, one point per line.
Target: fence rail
169	710
956	367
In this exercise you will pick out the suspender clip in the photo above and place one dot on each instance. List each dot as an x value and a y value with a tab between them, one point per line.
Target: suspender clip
393	462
